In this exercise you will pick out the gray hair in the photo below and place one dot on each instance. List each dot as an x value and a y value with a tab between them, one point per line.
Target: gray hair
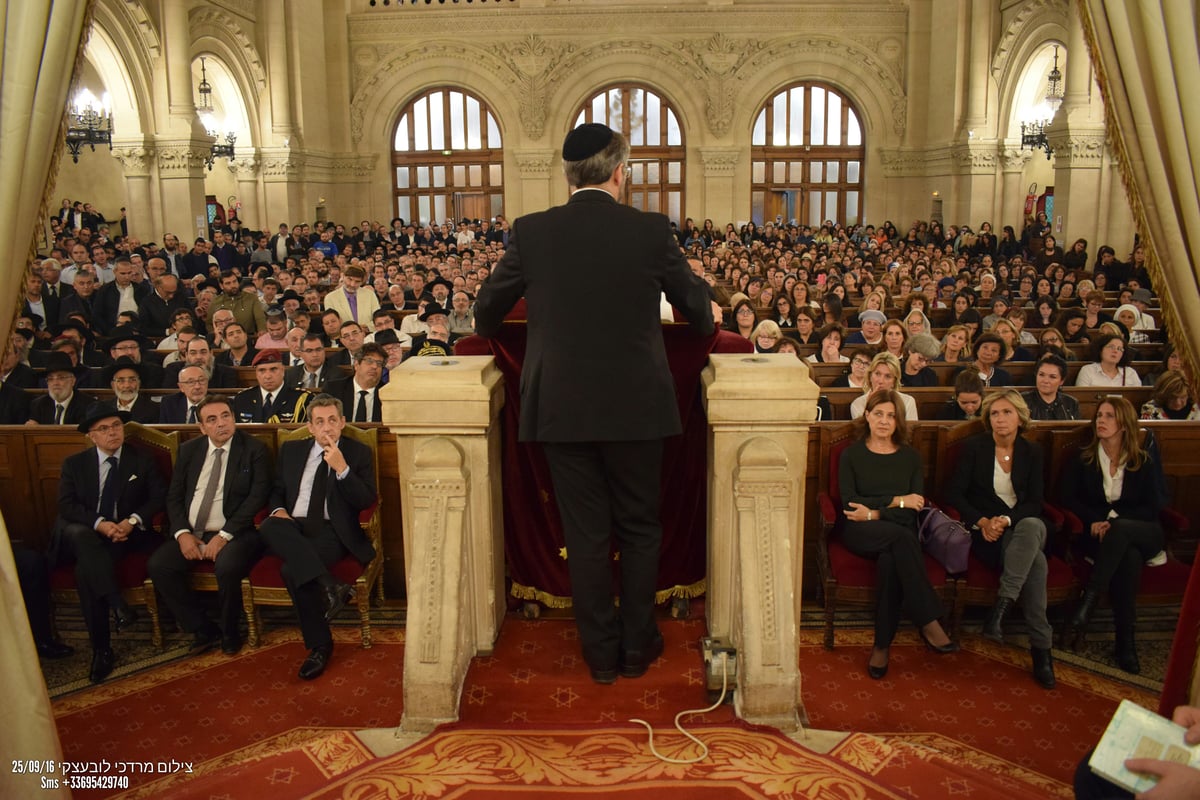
596	169
924	344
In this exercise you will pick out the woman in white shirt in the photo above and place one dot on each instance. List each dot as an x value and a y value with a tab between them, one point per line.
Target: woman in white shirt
884	373
1111	367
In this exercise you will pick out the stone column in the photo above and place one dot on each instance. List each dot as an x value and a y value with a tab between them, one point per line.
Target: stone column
1012	194
979	78
720	168
445	416
245	167
283	184
1078	159
143	219
181	186
537	173
759	410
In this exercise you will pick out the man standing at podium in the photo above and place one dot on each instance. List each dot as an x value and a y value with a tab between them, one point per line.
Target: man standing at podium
596	389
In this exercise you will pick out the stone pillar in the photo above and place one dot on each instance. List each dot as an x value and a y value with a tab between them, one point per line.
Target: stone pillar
1012	194
759	410
283	184
181	186
143	218
537	172
245	167
182	120
274	22
979	78
720	168
974	184
1078	159
445	416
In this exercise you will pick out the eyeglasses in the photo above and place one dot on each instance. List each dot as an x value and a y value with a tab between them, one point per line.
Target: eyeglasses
859	362
312	349
371	362
192	381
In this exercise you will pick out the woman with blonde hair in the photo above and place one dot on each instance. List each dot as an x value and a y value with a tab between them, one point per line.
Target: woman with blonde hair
956	344
766	335
1172	398
1115	485
884	373
997	488
876	301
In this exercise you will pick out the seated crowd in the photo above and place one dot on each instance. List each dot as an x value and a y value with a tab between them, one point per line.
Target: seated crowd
111	329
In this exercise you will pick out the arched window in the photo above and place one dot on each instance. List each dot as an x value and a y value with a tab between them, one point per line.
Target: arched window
448	159
806	158
656	151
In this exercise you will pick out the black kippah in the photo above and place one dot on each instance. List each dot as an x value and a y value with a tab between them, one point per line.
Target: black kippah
585	141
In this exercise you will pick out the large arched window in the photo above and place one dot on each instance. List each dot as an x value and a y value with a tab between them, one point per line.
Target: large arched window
656	152
806	158
448	159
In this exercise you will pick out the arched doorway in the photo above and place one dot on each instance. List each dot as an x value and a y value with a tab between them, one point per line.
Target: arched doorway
656	149
447	159
806	157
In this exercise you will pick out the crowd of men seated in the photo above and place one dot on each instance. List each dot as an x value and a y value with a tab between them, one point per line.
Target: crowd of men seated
261	325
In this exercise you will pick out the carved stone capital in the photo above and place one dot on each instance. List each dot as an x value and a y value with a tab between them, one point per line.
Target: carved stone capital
245	167
535	163
280	164
1074	149
182	159
975	158
719	162
1013	158
136	160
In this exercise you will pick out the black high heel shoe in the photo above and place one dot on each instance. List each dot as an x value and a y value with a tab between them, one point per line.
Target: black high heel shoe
877	673
940	649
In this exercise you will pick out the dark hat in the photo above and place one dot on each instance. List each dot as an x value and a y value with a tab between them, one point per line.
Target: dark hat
26	332
947	282
290	294
585	141
267	357
123	333
432	310
439	281
124	362
386	336
1000	299
98	412
72	325
274	311
59	362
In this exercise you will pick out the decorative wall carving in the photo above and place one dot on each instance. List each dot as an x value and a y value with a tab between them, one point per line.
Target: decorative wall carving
145	27
720	162
535	163
535	61
181	160
1013	159
976	157
1075	149
245	167
136	160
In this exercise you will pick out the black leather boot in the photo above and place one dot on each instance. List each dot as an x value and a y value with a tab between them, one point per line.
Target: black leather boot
1077	627
1043	667
993	628
1126	650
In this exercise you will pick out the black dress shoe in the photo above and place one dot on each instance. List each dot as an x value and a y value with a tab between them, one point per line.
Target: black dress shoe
204	640
52	649
314	665
994	627
231	645
877	673
124	618
605	677
941	649
102	664
634	664
1043	667
337	596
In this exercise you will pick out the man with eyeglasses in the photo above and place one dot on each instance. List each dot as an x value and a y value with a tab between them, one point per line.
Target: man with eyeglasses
125	342
359	393
270	400
107	497
61	405
125	378
312	373
181	408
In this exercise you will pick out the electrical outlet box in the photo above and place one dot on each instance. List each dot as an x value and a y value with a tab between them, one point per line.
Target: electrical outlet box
720	667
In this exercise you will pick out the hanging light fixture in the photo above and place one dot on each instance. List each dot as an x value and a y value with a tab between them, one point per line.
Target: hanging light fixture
90	122
1033	134
205	110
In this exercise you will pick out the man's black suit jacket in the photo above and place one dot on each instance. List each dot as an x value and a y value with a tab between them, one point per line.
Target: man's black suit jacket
592	273
22	377
14	404
247	482
343	389
41	410
108	301
172	409
347	497
155	314
145	410
971	489
142	488
297	378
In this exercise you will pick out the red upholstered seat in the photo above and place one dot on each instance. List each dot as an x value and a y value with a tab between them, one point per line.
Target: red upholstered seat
266	572
131	573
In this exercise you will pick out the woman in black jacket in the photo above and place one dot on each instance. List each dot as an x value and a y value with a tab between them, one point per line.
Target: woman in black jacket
1115	486
997	489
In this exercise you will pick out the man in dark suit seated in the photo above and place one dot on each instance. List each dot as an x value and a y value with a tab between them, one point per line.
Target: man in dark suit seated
125	378
439	341
125	341
107	498
270	400
314	372
12	372
239	353
360	391
199	354
183	407
321	485
596	389
221	480
61	405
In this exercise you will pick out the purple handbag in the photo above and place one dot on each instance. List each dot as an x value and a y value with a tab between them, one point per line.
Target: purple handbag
947	540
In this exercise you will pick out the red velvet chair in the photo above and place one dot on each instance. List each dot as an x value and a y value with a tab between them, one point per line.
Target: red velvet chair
980	584
846	577
1163	585
132	577
265	585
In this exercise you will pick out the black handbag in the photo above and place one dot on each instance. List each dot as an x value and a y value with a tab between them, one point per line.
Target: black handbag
947	540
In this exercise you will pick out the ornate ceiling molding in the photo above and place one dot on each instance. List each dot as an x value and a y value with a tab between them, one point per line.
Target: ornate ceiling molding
1029	10
208	20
